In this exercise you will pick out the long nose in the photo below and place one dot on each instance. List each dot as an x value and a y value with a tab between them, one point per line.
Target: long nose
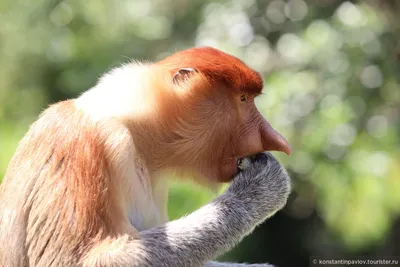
272	140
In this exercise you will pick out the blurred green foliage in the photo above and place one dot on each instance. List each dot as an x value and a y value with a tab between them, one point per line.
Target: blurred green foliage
331	72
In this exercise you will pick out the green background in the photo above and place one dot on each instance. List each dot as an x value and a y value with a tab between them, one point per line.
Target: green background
331	71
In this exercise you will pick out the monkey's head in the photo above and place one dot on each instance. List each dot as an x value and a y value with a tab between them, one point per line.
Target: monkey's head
215	120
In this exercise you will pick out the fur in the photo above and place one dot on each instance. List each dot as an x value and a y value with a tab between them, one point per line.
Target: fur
84	187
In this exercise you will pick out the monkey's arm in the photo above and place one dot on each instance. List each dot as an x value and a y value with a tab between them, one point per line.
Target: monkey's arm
192	241
229	264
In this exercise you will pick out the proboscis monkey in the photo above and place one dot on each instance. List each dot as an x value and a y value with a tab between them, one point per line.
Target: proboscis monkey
85	186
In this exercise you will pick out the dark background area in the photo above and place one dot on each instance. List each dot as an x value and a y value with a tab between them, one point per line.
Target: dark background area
331	71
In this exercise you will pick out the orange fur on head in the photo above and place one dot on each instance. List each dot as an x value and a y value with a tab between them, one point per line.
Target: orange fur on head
218	67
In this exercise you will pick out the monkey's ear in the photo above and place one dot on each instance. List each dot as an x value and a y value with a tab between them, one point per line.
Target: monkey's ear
183	74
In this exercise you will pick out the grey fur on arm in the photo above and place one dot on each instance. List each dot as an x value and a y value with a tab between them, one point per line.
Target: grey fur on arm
255	194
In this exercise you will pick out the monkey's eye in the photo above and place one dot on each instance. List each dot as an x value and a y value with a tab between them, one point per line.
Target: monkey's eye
243	98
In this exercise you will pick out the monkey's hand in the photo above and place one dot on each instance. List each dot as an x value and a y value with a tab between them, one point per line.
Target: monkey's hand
257	192
262	186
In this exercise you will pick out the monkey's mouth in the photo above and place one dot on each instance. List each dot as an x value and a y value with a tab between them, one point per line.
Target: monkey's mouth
233	166
245	162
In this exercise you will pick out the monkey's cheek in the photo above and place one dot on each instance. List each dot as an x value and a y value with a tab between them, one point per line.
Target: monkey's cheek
228	170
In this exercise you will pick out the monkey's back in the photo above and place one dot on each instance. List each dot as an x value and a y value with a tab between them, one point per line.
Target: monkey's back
54	196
